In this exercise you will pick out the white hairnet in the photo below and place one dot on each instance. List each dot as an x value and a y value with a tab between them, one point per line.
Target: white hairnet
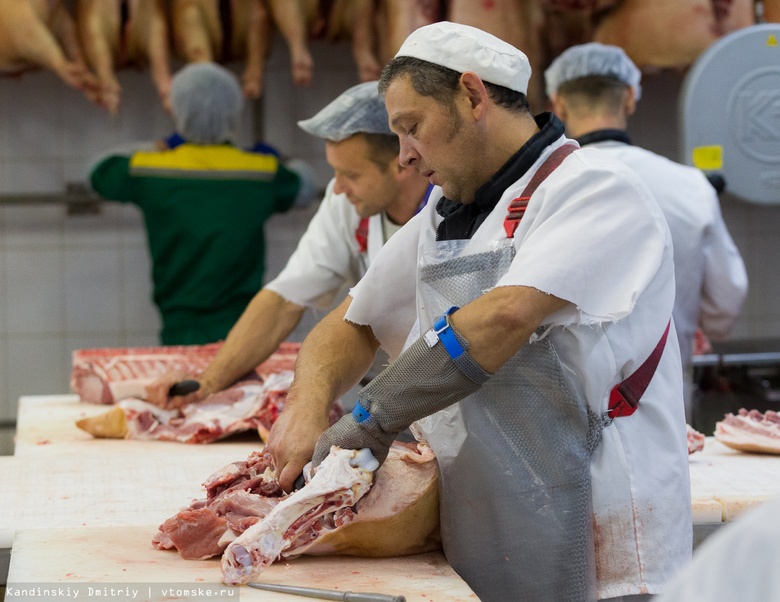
206	102
358	110
465	48
592	59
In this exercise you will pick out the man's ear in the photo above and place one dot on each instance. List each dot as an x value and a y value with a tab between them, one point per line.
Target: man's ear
629	103
475	91
559	107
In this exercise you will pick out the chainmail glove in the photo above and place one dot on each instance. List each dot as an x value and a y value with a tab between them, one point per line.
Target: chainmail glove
423	380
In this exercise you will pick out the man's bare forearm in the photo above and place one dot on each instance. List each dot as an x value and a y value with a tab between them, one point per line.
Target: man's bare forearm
266	322
335	355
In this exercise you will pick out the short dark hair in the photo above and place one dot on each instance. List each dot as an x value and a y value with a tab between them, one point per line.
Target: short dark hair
440	83
382	148
601	91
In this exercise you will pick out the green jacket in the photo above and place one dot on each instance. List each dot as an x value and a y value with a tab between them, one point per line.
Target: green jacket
205	208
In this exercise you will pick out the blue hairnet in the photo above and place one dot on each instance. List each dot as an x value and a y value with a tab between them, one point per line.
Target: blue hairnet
206	102
592	59
359	110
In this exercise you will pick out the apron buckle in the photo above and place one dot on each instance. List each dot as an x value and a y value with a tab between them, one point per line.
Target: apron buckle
618	404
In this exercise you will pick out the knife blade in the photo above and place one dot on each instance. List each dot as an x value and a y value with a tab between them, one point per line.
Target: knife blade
184	387
327	594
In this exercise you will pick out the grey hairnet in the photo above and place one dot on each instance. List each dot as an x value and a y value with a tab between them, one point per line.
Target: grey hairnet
359	110
206	102
592	59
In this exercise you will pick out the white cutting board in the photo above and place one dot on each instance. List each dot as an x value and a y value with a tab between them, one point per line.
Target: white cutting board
101	557
737	481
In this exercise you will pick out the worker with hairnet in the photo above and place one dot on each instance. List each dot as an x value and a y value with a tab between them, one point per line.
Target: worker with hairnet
594	89
205	203
369	198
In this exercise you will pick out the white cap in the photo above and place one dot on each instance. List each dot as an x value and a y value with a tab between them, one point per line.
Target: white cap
592	59
358	110
464	48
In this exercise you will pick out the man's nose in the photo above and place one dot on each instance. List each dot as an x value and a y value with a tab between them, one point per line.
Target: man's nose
338	186
407	156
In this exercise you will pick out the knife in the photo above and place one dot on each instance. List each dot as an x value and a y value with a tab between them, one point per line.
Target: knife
327	594
184	387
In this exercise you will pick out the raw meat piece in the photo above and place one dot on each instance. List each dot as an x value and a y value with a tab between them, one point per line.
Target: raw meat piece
294	19
695	440
108	375
398	516
42	34
203	31
110	44
517	22
671	33
396	19
341	480
247	405
750	431
772	11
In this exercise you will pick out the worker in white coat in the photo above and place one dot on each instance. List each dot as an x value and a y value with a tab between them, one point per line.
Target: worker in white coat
542	368
594	89
369	198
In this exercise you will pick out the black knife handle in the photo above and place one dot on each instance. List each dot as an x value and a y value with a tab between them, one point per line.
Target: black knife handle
184	387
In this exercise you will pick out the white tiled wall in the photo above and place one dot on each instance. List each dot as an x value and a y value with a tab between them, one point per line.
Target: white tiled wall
69	282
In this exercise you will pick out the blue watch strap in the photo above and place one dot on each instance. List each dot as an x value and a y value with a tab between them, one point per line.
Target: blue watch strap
446	335
359	413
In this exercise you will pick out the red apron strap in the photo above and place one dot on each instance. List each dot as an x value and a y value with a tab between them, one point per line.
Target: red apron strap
361	235
518	205
624	397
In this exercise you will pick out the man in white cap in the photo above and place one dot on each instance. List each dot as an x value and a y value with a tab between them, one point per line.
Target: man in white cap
594	89
370	197
543	367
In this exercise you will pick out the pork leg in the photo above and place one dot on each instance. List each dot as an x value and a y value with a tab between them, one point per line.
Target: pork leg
146	36
396	19
292	19
664	33
251	41
517	22
99	23
40	33
197	30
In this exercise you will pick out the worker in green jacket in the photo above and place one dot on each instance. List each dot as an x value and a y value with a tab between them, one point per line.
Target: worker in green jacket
205	203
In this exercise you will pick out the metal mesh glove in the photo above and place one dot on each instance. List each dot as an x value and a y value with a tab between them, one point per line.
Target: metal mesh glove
423	380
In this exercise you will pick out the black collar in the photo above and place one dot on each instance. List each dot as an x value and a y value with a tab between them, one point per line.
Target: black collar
603	136
461	221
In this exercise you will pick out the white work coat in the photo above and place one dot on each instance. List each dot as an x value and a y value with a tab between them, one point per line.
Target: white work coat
328	256
710	275
592	235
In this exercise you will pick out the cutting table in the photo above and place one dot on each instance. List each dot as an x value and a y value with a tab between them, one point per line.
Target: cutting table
80	512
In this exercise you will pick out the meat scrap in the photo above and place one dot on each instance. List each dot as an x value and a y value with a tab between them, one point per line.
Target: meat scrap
245	406
750	431
246	515
695	440
108	375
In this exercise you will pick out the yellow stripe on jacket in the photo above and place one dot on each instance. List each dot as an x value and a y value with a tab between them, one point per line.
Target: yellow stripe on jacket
209	162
